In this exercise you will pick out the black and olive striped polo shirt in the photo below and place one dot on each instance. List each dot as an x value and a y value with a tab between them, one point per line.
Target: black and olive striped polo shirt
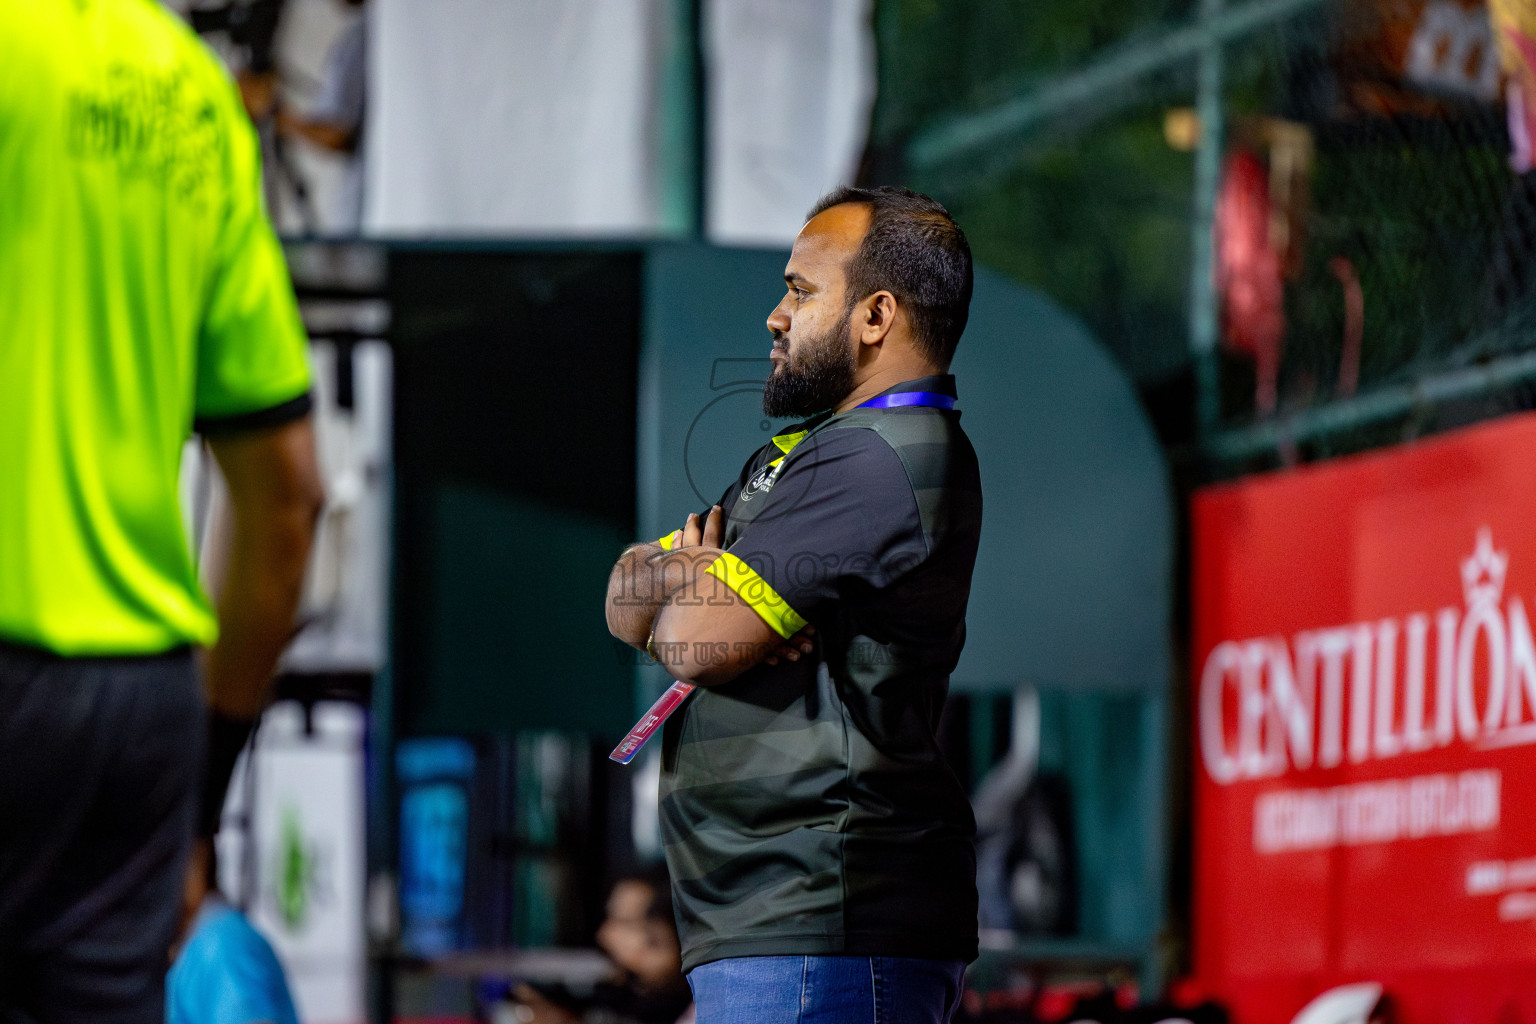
805	806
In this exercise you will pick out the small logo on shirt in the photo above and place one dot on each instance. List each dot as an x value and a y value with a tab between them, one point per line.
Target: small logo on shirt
762	481
737	404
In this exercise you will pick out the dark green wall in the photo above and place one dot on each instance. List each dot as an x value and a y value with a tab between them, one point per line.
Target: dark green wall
515	441
1073	585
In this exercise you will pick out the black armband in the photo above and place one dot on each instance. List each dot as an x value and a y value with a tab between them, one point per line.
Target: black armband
226	738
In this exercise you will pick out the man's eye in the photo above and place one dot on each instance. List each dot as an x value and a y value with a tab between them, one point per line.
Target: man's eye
801	293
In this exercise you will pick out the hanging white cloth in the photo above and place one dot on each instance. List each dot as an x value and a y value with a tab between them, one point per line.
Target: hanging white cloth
518	118
791	87
512	117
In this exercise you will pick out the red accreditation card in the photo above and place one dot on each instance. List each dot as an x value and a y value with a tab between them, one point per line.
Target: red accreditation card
665	704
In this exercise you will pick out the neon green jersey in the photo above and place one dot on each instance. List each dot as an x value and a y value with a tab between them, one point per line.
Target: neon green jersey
141	288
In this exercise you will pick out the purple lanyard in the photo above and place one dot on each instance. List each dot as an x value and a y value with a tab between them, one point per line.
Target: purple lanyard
932	399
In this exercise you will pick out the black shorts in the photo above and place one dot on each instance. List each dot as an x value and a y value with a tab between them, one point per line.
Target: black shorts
100	763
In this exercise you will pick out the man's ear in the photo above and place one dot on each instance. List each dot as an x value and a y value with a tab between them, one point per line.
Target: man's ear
879	315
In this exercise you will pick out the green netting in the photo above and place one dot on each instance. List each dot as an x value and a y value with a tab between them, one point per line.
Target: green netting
1397	110
1102	225
942	57
1093	208
1421	200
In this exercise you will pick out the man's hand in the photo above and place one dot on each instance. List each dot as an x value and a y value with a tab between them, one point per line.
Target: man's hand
708	533
802	642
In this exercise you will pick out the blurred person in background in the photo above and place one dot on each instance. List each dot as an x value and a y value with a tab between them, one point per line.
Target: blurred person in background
334	120
639	935
225	971
142	295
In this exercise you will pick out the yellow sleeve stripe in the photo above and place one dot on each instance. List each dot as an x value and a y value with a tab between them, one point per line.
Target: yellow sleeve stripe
667	541
758	595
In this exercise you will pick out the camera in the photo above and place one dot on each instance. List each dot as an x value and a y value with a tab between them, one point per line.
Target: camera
251	26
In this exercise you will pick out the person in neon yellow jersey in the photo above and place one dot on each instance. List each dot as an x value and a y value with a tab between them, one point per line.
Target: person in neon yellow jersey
142	294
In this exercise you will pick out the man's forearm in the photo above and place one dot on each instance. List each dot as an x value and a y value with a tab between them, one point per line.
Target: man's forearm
335	137
275	498
633	595
256	577
705	633
643	578
257	600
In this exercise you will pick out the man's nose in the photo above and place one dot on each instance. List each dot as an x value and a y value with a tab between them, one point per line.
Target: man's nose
778	320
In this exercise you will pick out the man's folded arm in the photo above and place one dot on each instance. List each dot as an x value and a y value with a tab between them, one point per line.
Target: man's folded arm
844	513
633	595
722	621
640	583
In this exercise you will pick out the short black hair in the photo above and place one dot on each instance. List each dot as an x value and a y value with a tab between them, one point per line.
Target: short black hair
914	250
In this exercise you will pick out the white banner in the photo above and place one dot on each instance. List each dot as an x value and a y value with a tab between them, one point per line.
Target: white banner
791	87
512	117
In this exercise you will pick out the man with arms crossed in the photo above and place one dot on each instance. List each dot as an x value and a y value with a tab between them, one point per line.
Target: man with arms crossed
820	848
141	292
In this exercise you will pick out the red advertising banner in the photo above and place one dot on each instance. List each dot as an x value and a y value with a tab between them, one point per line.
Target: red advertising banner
1364	725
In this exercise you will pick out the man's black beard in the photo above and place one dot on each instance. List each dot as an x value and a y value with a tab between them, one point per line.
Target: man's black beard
820	375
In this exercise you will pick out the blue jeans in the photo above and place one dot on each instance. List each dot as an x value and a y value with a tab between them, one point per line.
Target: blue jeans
826	990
